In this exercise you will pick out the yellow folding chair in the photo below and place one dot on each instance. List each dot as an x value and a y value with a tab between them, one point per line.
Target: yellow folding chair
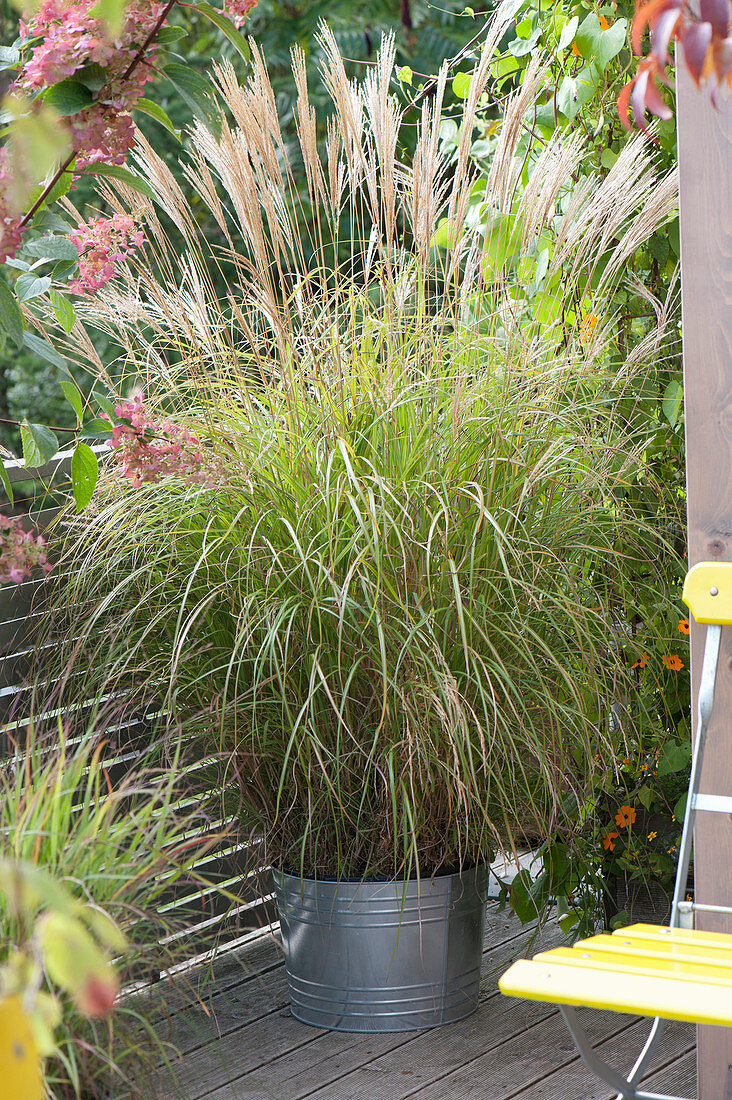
673	973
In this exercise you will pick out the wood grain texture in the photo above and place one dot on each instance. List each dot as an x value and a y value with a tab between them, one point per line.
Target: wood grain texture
705	162
247	1046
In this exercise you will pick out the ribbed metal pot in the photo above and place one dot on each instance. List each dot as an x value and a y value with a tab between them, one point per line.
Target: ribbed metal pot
382	956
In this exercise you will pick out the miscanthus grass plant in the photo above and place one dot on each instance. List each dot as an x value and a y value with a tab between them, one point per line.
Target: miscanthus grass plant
394	607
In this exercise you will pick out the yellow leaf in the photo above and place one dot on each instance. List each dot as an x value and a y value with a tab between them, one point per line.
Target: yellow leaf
38	142
20	1065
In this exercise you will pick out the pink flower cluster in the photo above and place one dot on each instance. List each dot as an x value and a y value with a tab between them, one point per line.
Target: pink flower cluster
101	243
150	451
71	38
20	551
10	227
238	10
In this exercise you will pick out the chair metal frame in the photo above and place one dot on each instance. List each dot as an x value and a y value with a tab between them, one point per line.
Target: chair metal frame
701	590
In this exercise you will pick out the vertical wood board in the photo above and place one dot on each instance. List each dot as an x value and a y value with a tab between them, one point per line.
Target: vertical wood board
705	164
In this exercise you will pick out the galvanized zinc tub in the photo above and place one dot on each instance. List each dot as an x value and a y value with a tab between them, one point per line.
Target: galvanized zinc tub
382	956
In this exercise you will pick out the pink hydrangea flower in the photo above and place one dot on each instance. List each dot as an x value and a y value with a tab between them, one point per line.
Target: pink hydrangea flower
102	243
238	10
71	38
20	551
149	450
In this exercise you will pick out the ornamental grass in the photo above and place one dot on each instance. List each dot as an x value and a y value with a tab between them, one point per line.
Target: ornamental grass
394	609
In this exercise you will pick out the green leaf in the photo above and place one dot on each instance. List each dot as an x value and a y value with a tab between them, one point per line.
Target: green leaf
63	310
92	76
569	30
8	57
62	185
51	248
521	47
6	483
11	317
73	395
117	172
226	27
659	248
105	403
62	269
39	444
461	85
575	92
673	399
31	286
404	75
645	797
147	107
68	97
598	45
52	223
196	92
568	923
168	36
84	474
674	758
45	350
608	158
96	429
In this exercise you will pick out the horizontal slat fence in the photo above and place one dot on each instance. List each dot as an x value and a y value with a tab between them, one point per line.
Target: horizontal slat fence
199	908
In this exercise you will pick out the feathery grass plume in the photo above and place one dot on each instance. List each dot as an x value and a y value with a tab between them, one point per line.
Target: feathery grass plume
398	610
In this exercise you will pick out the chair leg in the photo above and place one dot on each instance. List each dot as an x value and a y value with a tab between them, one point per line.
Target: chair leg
606	1073
626	1087
648	1048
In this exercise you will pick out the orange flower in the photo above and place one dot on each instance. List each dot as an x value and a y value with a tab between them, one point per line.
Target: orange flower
604	25
609	842
575	51
625	817
683	627
672	662
641	662
589	323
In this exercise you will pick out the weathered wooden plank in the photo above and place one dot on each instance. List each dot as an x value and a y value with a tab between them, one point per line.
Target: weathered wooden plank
576	1082
513	1054
705	163
271	1041
679	1077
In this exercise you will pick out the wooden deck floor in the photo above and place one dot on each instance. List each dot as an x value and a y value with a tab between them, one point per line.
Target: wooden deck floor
243	1044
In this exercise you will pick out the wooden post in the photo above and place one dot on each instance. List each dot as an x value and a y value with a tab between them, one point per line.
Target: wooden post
705	163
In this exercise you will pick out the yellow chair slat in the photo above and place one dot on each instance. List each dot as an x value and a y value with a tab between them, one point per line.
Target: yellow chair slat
681	972
661	948
641	994
708	592
693	936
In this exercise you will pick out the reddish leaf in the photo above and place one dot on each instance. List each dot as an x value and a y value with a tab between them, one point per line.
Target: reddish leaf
624	103
97	995
655	104
716	12
646	15
695	38
722	60
663	31
638	100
